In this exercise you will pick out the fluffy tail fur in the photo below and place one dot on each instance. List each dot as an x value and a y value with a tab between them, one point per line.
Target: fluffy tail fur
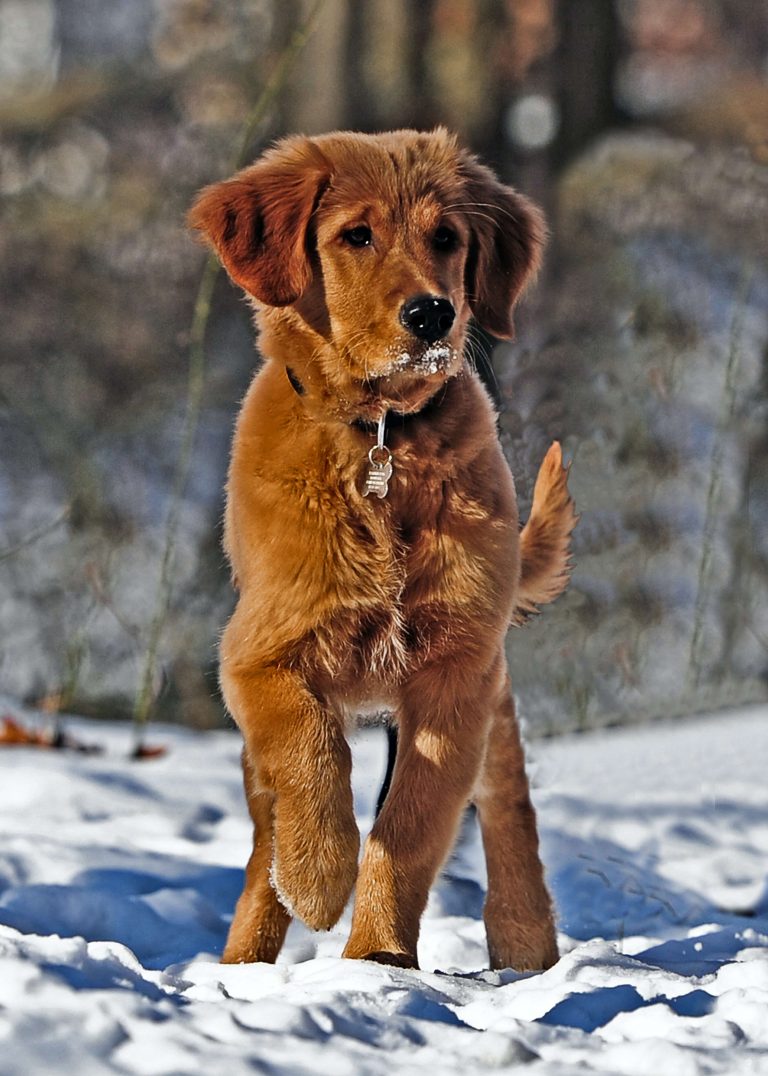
545	539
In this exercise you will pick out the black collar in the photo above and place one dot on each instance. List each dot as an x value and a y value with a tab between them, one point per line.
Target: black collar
296	385
400	418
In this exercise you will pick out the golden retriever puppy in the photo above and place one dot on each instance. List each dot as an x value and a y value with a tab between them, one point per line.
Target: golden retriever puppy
373	534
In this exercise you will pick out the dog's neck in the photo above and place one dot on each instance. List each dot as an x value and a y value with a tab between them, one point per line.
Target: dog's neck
314	376
367	425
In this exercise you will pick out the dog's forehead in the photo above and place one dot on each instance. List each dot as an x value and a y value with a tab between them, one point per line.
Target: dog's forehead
417	172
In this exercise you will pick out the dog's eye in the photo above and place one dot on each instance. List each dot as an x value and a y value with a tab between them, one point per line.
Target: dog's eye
358	237
445	238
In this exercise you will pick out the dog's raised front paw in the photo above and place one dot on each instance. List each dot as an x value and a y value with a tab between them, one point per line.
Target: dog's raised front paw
315	862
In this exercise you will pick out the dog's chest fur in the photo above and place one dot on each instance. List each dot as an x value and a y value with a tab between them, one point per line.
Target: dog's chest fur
355	592
405	581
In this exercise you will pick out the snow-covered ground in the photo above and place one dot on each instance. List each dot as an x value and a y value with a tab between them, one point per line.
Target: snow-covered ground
117	880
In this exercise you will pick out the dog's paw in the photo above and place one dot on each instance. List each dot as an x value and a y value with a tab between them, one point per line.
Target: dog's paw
533	948
381	956
315	863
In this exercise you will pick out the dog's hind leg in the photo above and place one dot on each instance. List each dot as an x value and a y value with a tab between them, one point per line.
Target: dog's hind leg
301	764
441	734
260	921
518	910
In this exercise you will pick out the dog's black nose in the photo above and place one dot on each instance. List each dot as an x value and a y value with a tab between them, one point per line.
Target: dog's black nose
428	317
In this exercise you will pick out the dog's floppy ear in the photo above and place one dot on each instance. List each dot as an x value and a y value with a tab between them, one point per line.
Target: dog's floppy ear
508	233
257	221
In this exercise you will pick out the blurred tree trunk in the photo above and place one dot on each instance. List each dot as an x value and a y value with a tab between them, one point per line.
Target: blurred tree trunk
746	25
589	48
383	36
359	101
494	143
315	99
419	29
286	16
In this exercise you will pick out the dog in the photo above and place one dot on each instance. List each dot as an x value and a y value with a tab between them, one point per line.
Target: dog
372	530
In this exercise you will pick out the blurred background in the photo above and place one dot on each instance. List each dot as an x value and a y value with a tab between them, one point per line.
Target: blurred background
642	128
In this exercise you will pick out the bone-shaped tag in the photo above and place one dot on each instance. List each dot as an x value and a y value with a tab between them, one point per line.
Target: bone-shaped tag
379	473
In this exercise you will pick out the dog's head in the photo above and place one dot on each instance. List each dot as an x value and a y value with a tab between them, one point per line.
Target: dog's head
383	246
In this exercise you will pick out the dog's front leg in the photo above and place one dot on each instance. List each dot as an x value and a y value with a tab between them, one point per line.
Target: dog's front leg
441	734
302	763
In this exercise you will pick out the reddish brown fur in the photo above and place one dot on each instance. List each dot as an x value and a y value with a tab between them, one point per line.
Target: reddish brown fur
347	600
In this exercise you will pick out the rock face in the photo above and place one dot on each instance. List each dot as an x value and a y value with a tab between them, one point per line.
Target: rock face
651	366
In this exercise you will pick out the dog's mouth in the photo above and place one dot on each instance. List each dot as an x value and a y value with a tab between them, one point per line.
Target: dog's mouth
402	377
404	363
431	361
407	387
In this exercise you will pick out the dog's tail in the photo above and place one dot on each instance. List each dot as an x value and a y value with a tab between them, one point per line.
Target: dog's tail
545	539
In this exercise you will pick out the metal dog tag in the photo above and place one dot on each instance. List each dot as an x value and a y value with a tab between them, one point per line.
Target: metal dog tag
379	472
380	460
